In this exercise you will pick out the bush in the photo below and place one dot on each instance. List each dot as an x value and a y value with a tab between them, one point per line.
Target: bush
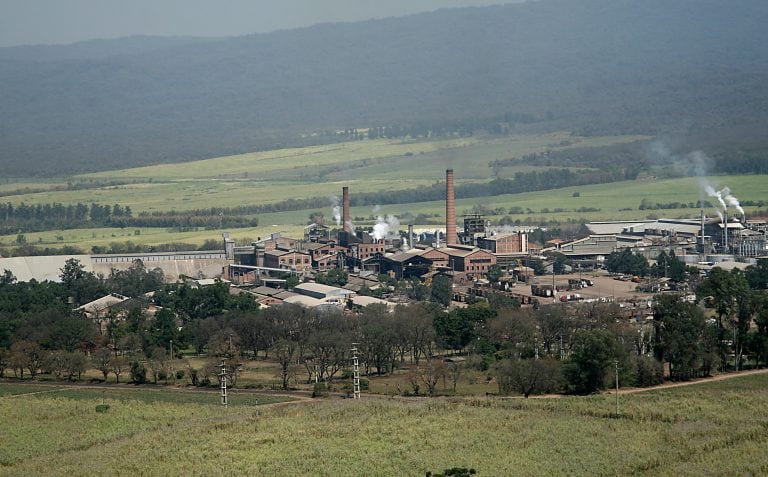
319	389
180	374
138	372
102	408
454	472
649	372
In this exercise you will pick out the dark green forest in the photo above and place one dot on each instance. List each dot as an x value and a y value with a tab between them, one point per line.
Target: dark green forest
682	68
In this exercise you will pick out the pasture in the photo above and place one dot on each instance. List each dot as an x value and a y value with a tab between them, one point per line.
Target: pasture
614	201
365	166
319	171
716	428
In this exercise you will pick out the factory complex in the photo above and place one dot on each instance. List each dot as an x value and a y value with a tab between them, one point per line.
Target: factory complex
264	267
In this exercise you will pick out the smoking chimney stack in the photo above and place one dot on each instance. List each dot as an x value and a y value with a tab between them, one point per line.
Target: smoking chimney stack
450	210
702	249
345	209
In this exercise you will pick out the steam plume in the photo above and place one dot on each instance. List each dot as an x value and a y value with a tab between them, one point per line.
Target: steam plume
386	227
336	210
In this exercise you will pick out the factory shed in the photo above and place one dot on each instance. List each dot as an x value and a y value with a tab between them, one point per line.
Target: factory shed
406	264
594	246
322	292
305	301
469	260
288	259
363	301
438	256
101	306
614	227
504	243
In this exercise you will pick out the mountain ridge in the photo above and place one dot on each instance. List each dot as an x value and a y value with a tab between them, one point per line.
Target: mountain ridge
607	67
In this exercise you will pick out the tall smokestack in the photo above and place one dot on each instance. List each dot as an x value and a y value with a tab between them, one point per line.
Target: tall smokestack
450	210
725	230
410	236
345	209
701	245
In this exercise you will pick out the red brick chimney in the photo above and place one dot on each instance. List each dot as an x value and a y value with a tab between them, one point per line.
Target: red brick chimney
345	209
450	210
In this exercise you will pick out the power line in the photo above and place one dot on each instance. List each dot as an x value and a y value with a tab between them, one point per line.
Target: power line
356	369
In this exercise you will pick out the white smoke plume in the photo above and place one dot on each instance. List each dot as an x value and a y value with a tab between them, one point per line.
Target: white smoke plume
386	227
697	162
718	194
734	202
725	199
336	210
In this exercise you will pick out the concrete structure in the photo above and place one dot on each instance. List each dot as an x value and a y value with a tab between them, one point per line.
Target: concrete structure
173	264
42	268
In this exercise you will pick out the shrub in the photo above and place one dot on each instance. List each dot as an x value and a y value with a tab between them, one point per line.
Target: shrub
138	372
319	389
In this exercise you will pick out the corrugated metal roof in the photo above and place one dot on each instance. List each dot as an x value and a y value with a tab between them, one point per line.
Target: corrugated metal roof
319	288
614	227
369	300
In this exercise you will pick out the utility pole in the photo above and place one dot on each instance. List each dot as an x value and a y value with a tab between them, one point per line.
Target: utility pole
356	369
554	288
223	379
616	364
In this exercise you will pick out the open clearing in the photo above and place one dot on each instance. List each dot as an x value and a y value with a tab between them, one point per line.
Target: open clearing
715	428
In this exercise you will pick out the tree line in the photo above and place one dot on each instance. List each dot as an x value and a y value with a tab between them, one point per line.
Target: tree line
49	216
552	348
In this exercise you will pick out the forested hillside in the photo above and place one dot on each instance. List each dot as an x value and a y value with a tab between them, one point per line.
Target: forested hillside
593	66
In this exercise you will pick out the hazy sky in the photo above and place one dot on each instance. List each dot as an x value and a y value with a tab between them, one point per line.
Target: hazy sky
24	22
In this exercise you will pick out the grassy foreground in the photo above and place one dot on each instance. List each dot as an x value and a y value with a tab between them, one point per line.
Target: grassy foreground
718	428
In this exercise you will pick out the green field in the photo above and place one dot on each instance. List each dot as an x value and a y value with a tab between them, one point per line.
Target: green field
717	428
86	238
319	171
610	199
364	166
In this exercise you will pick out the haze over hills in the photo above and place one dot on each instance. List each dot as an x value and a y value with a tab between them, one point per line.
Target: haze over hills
594	66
